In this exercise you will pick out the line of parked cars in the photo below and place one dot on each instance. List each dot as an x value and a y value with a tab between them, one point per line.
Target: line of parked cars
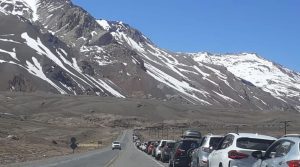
230	150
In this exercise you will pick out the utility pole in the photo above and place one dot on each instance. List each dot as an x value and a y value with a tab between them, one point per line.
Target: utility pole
162	129
286	124
237	129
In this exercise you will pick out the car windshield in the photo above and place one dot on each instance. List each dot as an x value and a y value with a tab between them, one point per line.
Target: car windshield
254	144
116	142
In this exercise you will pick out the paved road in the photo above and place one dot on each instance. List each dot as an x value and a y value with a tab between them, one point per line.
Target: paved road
132	157
129	156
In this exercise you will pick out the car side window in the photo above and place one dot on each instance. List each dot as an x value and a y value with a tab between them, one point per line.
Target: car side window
280	149
228	140
177	145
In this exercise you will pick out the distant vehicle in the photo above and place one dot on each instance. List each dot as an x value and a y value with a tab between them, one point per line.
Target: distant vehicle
143	147
151	147
159	148
180	155
148	144
166	150
135	138
285	152
236	149
207	145
137	143
116	145
154	149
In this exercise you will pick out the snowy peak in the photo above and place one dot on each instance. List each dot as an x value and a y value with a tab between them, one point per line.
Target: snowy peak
273	78
118	28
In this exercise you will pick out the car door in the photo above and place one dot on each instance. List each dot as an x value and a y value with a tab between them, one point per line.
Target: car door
276	154
216	157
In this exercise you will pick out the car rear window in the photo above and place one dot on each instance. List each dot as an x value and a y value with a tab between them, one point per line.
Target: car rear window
254	144
116	142
214	141
188	144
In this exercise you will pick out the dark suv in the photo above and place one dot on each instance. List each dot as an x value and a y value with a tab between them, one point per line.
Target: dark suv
180	155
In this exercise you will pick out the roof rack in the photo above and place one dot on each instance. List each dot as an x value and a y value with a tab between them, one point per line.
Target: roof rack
191	134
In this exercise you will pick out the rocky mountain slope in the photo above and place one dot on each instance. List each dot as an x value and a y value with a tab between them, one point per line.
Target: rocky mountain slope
59	47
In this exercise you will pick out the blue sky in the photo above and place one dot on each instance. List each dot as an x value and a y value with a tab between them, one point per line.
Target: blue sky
270	28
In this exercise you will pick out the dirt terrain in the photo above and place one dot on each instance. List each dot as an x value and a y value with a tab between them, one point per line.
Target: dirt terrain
40	125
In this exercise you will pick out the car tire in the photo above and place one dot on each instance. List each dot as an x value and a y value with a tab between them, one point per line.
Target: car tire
220	165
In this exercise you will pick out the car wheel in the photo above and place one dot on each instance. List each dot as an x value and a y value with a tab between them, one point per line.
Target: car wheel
220	165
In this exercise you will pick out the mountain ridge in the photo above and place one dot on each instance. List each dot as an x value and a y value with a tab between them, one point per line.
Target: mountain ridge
78	54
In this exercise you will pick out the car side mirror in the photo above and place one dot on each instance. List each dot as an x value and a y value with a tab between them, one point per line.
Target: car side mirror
257	154
211	149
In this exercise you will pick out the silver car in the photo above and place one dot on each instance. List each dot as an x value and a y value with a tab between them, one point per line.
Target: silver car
285	152
200	155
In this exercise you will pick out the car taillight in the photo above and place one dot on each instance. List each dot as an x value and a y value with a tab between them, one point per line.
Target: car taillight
294	163
205	149
237	155
179	152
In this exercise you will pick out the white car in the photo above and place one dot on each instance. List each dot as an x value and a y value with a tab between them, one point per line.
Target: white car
285	152
208	144
116	145
235	150
158	149
143	147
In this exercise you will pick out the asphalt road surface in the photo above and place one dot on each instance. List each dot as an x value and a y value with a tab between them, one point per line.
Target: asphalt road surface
129	156
132	157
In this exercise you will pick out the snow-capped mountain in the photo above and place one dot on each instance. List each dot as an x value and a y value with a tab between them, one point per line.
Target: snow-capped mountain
273	78
59	47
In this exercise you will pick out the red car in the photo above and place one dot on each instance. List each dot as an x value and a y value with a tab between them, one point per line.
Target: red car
150	148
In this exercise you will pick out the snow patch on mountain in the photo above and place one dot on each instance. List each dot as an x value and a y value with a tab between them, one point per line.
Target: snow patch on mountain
12	54
226	97
180	86
122	37
104	24
33	4
37	70
25	8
